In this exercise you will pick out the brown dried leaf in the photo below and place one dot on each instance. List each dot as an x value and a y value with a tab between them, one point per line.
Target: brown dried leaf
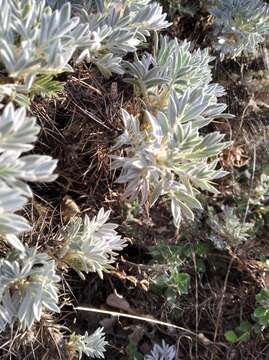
69	208
234	156
118	302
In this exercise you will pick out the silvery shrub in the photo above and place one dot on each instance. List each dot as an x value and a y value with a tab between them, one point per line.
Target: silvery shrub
240	26
165	153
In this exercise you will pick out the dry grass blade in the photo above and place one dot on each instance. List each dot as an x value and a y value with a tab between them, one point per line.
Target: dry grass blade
140	318
200	337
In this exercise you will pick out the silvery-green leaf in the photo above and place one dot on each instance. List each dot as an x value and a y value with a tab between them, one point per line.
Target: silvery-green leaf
176	212
14	241
17	131
109	64
150	18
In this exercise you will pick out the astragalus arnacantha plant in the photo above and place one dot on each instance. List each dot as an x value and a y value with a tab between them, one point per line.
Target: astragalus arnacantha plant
165	153
91	245
117	27
240	25
228	230
162	352
173	66
39	38
28	285
27	278
169	157
92	345
35	41
18	132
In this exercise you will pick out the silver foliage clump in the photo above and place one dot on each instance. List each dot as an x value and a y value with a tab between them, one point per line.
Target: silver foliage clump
227	228
91	245
166	154
93	346
162	352
170	158
28	285
34	41
174	66
117	28
240	26
17	134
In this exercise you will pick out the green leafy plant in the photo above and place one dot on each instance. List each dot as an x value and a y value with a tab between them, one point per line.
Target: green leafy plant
170	280
185	7
261	313
242	333
46	86
260	321
172	284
